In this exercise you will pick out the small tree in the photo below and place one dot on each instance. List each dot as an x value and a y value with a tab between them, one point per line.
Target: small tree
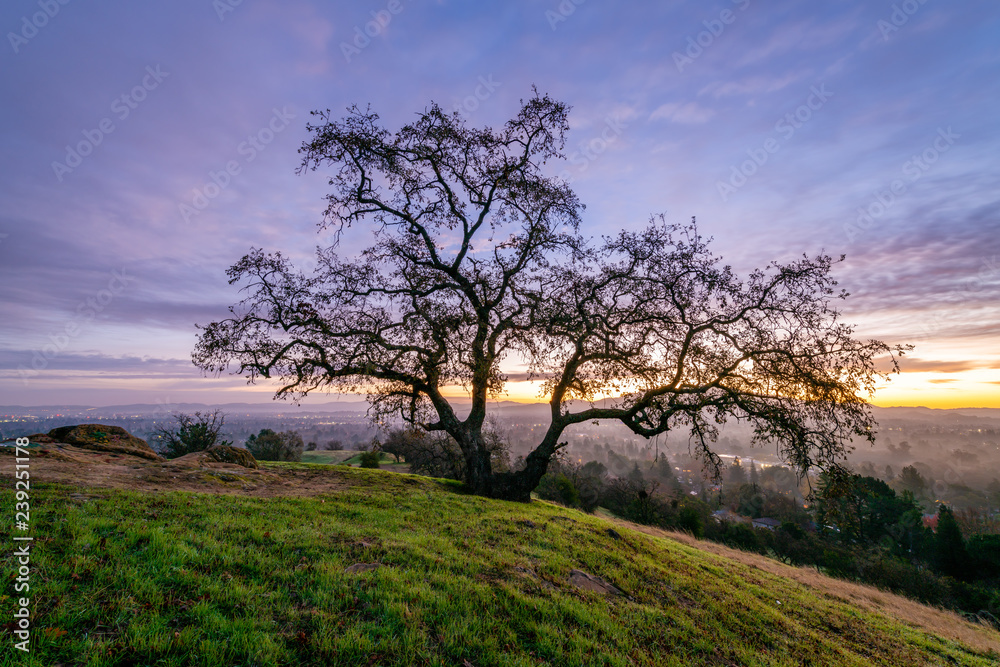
270	446
192	434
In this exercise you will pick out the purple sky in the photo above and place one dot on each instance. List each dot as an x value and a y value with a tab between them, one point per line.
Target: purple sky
105	269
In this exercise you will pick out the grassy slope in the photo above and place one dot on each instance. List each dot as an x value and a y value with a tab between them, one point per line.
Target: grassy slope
350	457
180	578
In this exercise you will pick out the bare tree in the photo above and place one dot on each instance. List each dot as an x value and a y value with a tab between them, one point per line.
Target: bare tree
477	258
192	434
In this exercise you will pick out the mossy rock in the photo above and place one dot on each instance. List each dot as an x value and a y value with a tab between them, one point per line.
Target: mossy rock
235	455
104	438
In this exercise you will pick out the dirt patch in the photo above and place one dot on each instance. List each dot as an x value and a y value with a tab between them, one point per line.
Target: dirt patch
64	464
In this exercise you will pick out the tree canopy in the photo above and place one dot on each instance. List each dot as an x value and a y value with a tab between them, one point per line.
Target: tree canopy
477	259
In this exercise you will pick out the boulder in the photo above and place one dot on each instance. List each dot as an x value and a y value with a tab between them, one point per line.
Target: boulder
104	438
217	454
234	455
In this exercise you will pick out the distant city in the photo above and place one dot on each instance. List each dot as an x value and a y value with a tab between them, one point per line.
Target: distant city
956	451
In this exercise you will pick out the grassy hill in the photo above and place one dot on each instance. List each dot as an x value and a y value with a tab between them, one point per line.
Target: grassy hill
177	578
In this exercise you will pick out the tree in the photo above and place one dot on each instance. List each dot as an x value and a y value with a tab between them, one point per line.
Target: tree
911	480
270	446
950	556
736	475
192	434
397	443
477	258
865	509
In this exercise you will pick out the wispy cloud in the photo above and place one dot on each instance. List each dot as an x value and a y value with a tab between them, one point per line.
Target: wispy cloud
689	113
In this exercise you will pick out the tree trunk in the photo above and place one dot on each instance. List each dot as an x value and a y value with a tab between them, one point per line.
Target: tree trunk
515	486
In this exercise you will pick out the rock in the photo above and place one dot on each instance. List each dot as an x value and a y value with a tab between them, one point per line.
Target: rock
104	438
614	534
358	568
527	523
235	455
211	457
589	582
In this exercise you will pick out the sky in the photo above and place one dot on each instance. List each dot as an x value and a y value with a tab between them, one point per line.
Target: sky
148	146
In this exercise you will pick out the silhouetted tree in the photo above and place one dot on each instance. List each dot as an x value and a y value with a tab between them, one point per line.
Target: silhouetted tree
477	258
950	556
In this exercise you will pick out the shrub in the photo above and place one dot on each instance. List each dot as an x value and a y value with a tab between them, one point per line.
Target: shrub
689	519
193	434
270	446
371	459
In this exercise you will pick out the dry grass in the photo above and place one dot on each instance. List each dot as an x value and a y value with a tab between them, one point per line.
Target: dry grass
944	623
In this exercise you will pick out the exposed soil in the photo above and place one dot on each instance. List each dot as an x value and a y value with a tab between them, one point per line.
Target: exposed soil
65	464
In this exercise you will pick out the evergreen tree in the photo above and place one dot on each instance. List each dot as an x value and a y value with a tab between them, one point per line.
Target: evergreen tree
911	480
950	556
753	475
736	475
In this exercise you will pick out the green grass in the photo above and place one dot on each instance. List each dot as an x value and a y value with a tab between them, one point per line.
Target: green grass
129	578
328	456
350	457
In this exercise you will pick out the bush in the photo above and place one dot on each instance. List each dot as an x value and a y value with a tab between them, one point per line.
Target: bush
690	520
193	434
557	487
270	446
371	459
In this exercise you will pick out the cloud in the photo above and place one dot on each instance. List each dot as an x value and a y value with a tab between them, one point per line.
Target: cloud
685	114
97	362
911	365
754	85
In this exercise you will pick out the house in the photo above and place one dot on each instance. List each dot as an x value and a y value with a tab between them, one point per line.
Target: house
766	522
